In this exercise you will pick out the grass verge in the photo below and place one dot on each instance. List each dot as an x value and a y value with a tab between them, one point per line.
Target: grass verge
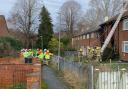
44	85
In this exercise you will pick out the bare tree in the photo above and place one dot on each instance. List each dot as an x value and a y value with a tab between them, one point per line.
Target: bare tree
24	18
70	11
99	9
82	25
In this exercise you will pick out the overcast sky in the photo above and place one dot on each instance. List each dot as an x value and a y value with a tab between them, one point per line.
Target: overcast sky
52	5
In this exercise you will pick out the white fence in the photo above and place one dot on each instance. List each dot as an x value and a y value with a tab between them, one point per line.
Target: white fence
100	76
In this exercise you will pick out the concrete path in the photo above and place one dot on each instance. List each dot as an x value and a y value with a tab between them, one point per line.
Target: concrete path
51	79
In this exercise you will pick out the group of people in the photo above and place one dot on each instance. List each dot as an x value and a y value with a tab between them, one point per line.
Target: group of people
94	53
42	55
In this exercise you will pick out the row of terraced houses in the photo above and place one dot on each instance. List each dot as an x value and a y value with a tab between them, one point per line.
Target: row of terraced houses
97	36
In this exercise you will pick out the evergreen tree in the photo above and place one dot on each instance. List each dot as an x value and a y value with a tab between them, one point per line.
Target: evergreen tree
45	30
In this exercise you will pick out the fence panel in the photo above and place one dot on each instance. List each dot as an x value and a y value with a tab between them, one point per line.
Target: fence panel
98	76
112	76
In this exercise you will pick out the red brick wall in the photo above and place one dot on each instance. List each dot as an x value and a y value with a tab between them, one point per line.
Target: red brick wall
13	74
9	60
87	42
119	36
123	36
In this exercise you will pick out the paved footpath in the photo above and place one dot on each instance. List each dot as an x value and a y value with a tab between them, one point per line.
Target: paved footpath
51	79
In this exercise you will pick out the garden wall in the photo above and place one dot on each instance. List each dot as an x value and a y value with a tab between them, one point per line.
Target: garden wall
12	73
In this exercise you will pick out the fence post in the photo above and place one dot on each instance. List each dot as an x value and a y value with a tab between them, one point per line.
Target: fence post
92	73
90	77
58	63
118	77
64	64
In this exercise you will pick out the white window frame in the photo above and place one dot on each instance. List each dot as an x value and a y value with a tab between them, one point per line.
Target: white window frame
92	35
84	37
81	37
124	22
97	35
88	36
125	43
78	38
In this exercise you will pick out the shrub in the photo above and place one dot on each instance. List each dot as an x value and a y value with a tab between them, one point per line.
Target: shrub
18	86
66	41
7	43
54	44
109	54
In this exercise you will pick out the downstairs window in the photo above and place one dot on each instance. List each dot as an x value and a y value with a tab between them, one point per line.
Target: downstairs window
125	46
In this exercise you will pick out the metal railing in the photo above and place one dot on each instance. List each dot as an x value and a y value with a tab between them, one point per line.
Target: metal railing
97	76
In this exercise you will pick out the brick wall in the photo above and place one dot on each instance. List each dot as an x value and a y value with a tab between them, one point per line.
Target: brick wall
86	42
10	60
13	74
119	36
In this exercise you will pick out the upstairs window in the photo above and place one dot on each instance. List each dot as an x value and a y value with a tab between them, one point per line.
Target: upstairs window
97	35
81	37
84	37
125	46
125	24
92	35
87	36
77	38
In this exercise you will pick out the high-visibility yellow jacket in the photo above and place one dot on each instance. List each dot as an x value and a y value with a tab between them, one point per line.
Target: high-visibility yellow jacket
41	56
26	54
47	56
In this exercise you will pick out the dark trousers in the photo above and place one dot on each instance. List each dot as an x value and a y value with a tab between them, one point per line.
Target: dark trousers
28	60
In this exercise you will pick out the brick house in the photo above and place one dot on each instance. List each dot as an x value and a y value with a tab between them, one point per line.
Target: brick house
88	38
5	31
3	26
119	41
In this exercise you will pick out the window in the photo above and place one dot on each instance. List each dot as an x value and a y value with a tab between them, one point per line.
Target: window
97	35
125	46
125	24
78	38
92	35
87	36
83	36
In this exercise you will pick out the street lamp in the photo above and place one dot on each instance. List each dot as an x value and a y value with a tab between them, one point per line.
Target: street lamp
59	43
41	41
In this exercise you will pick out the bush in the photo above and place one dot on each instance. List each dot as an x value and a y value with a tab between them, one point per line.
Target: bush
18	86
54	44
109	54
7	43
66	41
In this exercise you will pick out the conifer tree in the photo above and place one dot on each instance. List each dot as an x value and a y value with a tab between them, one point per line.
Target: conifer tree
45	30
